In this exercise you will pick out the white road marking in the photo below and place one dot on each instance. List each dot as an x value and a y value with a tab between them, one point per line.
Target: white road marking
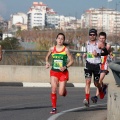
82	85
26	84
30	84
55	116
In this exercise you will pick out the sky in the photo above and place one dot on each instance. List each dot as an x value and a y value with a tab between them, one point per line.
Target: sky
62	7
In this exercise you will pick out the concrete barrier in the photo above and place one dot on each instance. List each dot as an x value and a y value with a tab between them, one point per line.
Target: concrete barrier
34	74
113	105
115	67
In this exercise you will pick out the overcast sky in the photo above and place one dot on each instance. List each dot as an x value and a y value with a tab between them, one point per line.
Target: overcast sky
62	7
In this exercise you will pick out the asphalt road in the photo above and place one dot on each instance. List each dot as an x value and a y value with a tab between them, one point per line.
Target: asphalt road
18	103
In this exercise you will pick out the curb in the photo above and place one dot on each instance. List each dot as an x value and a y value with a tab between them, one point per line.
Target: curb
28	84
11	84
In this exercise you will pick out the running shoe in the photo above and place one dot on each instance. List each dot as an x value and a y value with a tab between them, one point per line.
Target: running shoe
101	94
94	99
86	102
104	88
54	110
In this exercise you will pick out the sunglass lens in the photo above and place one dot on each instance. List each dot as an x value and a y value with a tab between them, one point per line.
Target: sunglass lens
91	34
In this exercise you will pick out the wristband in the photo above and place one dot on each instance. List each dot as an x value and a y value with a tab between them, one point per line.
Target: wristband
98	54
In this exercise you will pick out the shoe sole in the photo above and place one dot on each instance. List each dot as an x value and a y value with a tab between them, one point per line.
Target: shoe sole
87	105
53	112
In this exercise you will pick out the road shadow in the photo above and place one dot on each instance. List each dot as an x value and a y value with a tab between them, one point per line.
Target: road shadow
23	108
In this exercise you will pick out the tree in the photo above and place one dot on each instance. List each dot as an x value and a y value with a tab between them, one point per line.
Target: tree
10	43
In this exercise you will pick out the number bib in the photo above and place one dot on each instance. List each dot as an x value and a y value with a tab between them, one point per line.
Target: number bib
57	64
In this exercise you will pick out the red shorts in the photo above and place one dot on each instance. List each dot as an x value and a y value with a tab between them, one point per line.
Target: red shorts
62	76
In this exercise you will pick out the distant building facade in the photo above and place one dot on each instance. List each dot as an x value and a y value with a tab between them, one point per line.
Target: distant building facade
40	15
18	18
52	19
36	15
107	20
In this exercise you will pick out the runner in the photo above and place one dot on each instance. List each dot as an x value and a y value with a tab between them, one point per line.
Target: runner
58	73
93	60
104	68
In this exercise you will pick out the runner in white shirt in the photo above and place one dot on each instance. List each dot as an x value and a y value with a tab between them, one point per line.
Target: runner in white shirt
93	60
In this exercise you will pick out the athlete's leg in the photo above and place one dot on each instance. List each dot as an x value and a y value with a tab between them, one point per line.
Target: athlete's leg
102	76
87	86
54	84
62	88
88	75
64	77
96	82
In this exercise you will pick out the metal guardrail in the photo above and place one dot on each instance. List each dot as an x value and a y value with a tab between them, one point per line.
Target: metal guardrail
37	58
34	57
115	67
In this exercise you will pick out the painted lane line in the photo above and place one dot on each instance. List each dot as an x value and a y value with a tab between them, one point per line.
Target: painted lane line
25	84
54	117
82	85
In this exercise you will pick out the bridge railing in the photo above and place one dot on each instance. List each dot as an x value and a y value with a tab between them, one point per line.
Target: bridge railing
115	67
37	58
34	57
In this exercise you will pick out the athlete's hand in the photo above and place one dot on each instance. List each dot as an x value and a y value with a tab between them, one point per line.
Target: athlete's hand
62	68
94	53
47	65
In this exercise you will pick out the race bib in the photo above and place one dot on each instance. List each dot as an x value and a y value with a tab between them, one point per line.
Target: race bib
57	64
90	55
102	59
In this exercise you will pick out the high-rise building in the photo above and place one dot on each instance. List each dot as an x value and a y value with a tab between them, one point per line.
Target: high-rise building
107	20
40	15
36	15
52	18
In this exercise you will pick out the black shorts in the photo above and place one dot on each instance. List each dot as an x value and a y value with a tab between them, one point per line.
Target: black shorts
92	69
104	71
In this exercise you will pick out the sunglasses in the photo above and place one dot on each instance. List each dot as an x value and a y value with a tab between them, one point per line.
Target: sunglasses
92	34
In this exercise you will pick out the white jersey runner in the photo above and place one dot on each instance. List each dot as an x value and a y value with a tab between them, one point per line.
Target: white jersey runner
90	57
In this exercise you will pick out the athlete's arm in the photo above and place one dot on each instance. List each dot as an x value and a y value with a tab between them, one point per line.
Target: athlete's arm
70	60
69	57
109	48
101	46
47	57
84	54
110	51
105	52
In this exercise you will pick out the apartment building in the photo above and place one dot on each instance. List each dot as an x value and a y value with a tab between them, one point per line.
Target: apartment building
68	22
52	19
40	15
36	15
107	20
18	20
